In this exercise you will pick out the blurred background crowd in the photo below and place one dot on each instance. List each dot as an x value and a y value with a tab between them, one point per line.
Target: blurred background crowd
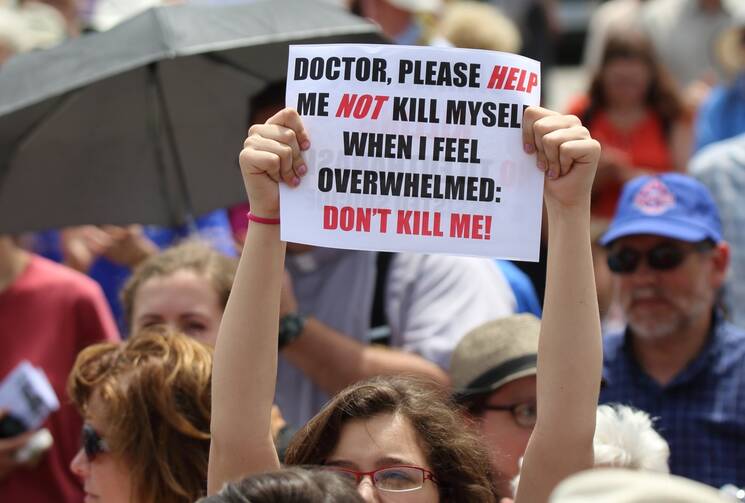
661	85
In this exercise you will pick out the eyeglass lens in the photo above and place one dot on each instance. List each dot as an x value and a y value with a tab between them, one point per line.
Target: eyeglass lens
393	479
525	414
662	258
399	479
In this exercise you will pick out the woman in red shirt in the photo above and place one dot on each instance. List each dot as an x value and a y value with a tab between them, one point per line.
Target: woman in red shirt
634	110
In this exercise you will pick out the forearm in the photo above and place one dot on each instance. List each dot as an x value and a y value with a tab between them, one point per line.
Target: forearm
570	348
245	363
334	361
569	361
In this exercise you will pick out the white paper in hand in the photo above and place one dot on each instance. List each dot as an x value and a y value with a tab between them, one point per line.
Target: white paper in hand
27	395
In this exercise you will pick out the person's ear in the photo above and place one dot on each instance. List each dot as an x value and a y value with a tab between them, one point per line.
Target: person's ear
720	257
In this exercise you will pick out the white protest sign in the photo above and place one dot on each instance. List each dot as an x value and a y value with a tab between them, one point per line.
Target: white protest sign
414	149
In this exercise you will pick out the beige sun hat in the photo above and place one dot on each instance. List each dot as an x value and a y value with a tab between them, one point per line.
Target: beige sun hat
476	25
612	485
730	47
418	5
494	354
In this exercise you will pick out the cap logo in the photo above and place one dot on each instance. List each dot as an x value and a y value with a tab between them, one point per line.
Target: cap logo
654	198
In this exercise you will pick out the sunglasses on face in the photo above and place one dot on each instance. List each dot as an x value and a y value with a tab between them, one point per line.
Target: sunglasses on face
663	257
395	479
93	444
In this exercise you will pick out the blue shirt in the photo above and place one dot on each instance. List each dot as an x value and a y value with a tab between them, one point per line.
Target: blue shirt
522	288
701	412
722	115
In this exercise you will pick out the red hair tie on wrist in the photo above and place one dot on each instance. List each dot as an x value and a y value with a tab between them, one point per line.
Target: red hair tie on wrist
261	220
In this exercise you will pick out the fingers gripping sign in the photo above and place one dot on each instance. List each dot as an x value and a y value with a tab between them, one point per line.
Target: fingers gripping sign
272	153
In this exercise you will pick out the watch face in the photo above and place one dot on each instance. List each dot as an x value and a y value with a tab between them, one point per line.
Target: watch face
291	324
290	327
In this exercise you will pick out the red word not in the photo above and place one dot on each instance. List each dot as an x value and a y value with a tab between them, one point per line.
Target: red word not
358	107
505	77
347	218
470	226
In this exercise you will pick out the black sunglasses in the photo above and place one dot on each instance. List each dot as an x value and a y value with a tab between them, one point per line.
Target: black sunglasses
663	257
93	444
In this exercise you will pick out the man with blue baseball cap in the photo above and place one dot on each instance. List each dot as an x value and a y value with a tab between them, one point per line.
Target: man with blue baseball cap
678	359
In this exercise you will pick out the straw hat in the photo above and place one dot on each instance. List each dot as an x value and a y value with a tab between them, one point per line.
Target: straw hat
730	45
494	354
611	485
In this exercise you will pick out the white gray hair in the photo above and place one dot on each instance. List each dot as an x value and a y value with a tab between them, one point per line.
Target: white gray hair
625	438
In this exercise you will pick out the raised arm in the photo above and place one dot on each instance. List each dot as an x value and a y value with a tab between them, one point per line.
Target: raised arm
245	361
569	350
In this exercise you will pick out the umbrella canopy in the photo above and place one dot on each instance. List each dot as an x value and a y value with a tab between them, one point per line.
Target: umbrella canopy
143	123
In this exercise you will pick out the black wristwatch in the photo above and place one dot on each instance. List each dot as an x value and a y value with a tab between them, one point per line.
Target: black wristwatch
290	327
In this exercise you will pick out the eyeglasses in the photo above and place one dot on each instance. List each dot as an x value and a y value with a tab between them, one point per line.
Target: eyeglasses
524	414
395	479
663	257
93	444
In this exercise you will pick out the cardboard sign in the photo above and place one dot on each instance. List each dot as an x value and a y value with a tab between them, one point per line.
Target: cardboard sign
414	149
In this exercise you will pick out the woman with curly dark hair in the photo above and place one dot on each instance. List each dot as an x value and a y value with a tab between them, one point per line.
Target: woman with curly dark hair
397	439
633	109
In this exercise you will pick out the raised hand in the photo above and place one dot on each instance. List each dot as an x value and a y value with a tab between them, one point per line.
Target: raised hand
272	153
566	152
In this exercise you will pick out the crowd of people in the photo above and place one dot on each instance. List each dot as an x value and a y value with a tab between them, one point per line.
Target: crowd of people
216	363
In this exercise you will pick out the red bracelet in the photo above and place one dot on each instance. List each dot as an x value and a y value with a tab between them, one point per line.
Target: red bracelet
261	220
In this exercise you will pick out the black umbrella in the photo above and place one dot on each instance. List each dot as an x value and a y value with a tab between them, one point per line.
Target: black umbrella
143	123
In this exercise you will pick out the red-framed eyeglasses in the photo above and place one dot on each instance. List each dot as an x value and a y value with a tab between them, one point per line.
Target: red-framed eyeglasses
398	479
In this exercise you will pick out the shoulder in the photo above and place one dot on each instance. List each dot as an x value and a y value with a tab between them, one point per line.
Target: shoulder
732	337
715	101
660	11
727	155
476	281
441	267
49	276
731	340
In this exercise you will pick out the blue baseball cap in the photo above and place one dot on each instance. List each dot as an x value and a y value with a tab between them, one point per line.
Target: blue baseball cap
670	205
